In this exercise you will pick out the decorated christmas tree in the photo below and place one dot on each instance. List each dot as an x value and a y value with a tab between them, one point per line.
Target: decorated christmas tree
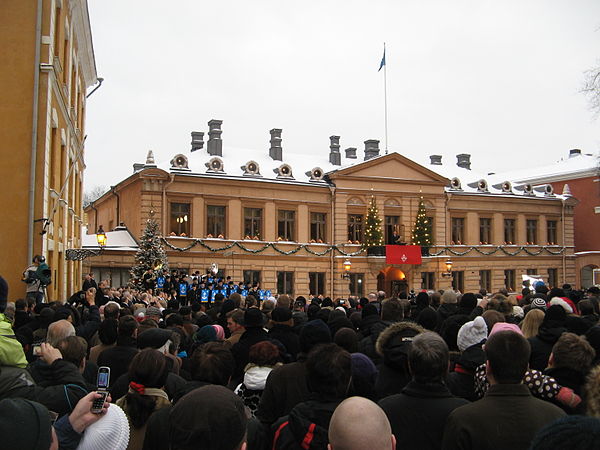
421	233
151	254
373	235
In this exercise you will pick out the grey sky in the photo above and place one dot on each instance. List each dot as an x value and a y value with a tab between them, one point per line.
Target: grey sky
497	79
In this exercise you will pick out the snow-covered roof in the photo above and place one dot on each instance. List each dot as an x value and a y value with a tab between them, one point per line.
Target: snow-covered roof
119	239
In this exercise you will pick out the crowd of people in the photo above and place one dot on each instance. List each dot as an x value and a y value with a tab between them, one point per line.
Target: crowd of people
243	369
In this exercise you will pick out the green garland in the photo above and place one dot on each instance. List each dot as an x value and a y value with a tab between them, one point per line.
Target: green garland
340	250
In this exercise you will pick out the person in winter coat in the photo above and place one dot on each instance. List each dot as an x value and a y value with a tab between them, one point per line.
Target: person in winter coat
550	330
371	327
448	306
263	358
418	414
392	346
328	372
470	338
254	320
281	330
449	328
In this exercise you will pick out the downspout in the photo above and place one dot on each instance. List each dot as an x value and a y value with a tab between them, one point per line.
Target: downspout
34	130
114	191
331	239
95	216
164	204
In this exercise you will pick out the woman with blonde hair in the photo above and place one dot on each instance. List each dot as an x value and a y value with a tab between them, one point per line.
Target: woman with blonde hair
531	323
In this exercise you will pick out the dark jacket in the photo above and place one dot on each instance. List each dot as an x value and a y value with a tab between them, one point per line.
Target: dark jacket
461	381
507	417
371	328
308	419
542	343
251	336
418	415
119	357
571	378
449	328
61	393
444	311
21	318
286	387
288	337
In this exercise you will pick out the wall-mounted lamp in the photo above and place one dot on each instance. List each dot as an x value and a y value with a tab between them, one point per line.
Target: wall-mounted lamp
448	272
101	237
347	266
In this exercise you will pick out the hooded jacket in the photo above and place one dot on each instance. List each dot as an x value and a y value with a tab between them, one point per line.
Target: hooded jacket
306	426
461	382
542	343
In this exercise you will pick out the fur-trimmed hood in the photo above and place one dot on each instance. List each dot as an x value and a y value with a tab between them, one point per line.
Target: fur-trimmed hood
395	334
592	392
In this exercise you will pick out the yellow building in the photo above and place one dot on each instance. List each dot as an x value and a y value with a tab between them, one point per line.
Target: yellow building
48	64
291	221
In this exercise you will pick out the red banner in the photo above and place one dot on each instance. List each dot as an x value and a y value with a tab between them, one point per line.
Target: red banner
403	254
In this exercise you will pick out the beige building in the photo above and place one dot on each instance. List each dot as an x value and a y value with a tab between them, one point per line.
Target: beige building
47	67
290	221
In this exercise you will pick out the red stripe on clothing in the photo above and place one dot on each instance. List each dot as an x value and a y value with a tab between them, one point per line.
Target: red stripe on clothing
278	432
309	436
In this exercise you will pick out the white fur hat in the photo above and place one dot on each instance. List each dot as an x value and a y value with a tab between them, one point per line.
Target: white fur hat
561	302
471	333
111	432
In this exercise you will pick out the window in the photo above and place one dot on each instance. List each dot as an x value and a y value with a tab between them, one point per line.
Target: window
531	227
285	225
215	221
458	281
509	231
252	276
357	284
316	283
392	230
428	280
285	283
318	227
485	230
531	271
551	227
252	222
458	229
355	227
509	279
485	280
552	278
180	219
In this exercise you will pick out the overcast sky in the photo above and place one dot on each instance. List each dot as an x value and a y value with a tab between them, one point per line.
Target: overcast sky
497	79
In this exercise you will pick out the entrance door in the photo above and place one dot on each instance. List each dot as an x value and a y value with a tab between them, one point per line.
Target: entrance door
398	287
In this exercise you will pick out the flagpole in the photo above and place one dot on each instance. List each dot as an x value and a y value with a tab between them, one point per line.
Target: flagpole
385	100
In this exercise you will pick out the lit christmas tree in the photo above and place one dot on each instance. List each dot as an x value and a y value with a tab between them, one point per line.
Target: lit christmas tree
151	254
373	234
421	234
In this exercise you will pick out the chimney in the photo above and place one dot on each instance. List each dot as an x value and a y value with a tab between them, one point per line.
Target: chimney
335	157
276	152
464	161
137	167
215	144
574	152
436	160
371	148
351	152
197	140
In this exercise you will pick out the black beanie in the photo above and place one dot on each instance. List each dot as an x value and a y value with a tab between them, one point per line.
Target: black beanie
24	424
569	432
468	301
313	333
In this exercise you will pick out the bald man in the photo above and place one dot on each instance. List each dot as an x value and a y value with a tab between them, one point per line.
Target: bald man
59	330
358	423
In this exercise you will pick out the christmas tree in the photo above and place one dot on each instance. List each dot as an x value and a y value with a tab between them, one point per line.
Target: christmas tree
151	254
373	234
421	234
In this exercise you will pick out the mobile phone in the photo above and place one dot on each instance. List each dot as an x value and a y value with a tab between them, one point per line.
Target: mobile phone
103	381
37	350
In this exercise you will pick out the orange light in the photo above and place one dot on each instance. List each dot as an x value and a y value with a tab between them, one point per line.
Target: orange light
347	265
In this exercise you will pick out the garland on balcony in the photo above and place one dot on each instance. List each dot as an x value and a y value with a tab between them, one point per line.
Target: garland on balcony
340	249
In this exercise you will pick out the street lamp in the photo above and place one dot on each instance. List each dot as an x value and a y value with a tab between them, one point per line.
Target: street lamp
448	272
347	266
101	237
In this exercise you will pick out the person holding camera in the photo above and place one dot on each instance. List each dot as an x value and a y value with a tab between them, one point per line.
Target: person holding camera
35	288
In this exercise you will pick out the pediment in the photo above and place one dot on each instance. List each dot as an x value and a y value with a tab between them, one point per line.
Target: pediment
391	166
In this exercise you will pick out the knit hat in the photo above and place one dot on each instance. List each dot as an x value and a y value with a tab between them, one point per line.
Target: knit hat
153	338
220	332
505	326
568	432
207	333
555	313
208	417
428	318
153	311
538	303
468	301
471	333
313	333
111	432
253	317
24	424
518	312
280	314
363	367
449	297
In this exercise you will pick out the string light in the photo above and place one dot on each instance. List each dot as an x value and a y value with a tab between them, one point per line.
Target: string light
421	234
373	234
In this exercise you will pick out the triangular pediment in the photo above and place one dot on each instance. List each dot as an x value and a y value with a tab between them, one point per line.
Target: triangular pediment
391	166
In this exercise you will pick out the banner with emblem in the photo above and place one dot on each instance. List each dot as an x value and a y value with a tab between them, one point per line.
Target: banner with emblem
403	254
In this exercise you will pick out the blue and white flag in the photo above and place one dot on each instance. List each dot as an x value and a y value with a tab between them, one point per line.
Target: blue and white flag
382	63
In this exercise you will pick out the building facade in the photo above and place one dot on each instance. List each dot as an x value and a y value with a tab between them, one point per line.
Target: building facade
291	221
49	64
